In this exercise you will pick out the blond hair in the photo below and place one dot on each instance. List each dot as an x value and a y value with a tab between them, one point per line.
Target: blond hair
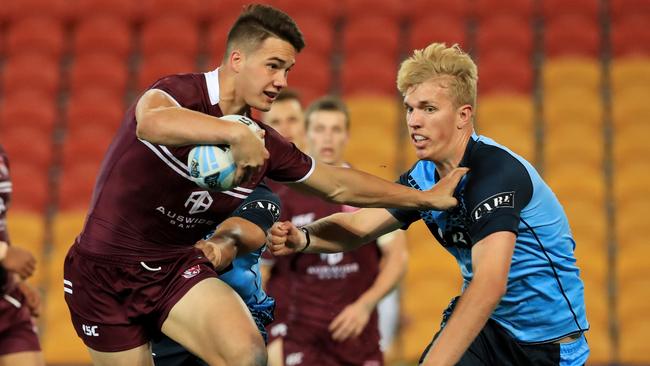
438	60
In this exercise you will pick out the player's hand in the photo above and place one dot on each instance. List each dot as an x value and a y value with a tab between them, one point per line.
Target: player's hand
284	238
32	298
443	191
20	261
350	322
219	251
249	153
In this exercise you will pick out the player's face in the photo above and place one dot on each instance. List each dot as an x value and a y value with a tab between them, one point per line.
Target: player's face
327	136
432	119
287	118
264	72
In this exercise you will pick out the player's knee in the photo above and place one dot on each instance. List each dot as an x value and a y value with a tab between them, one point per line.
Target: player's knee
249	354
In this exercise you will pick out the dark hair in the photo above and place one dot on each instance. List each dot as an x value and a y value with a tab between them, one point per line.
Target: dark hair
288	94
258	22
328	103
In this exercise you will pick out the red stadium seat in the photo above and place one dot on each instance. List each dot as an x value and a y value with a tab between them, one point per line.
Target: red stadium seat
86	144
103	34
156	9
318	33
30	187
572	36
153	67
95	108
28	145
31	72
622	8
170	34
369	74
458	10
631	36
99	71
36	34
311	74
28	108
120	9
353	9
505	72
222	11
56	9
519	8
439	28
505	33
327	11
216	44
554	8
358	39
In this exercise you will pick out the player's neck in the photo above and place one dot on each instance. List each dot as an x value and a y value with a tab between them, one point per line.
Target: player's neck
455	156
229	101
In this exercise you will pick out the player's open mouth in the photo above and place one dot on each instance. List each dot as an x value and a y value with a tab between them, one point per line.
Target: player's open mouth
418	139
271	95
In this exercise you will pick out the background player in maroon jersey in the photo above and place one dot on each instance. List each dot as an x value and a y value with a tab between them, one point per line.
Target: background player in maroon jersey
133	271
332	297
19	302
287	117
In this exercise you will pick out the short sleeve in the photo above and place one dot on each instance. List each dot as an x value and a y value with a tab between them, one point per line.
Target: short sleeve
286	163
406	217
261	207
497	190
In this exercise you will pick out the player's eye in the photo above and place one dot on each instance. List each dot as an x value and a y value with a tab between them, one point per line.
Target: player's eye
429	109
273	66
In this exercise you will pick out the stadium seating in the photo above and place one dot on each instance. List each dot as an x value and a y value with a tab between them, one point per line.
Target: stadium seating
489	8
103	34
556	8
36	34
153	67
31	71
105	71
571	35
353	9
506	71
571	72
505	33
357	40
120	9
630	35
170	34
369	73
436	28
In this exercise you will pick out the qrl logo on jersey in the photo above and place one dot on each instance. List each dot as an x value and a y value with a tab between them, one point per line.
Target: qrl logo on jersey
332	258
504	199
90	330
199	201
192	271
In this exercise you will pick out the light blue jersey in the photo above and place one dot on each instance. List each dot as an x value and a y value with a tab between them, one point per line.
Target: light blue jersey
503	192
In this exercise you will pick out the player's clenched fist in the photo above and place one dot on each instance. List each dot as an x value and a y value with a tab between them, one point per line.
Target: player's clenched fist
285	238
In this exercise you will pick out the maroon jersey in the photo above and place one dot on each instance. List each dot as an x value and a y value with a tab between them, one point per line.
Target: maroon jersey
322	285
145	203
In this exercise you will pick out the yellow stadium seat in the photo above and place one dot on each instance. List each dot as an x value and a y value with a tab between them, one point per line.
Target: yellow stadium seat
631	181
60	342
633	327
630	73
27	230
576	181
573	106
518	138
506	110
66	226
562	149
629	104
630	143
581	72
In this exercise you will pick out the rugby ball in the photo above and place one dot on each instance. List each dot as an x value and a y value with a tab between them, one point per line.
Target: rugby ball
212	166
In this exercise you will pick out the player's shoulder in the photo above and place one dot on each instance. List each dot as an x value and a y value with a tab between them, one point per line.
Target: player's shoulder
489	160
420	176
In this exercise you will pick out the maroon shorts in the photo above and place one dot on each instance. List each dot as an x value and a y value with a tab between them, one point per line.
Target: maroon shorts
18	332
309	345
119	305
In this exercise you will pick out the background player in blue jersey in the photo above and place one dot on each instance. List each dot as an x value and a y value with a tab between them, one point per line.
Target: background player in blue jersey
523	300
244	234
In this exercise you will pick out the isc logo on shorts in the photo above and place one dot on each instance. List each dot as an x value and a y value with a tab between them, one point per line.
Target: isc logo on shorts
192	271
90	330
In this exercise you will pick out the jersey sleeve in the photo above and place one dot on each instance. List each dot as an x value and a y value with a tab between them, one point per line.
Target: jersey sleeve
286	163
261	207
498	189
406	217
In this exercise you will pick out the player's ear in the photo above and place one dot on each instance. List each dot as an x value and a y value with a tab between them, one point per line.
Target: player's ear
236	60
465	113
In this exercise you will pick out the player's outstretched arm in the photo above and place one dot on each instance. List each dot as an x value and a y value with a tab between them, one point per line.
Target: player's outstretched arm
356	188
235	236
339	232
160	120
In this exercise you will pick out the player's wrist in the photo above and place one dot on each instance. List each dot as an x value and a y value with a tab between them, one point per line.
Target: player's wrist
306	239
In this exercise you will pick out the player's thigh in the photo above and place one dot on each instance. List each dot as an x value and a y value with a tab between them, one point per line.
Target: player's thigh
139	356
212	321
27	358
276	357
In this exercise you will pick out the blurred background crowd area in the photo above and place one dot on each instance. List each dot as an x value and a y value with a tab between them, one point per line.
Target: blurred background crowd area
566	84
